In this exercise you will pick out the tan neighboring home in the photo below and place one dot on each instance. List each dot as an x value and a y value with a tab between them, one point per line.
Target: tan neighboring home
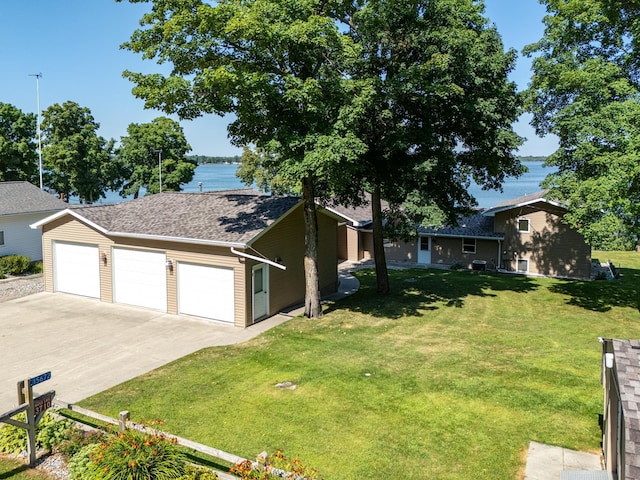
22	204
232	256
621	418
522	235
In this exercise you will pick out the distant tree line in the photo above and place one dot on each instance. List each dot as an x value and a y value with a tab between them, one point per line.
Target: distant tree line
202	159
78	162
532	158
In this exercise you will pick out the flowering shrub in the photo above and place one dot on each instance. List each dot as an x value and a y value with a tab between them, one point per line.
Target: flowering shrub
264	468
136	456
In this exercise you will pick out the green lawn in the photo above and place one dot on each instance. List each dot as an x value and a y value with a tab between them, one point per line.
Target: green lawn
449	377
17	470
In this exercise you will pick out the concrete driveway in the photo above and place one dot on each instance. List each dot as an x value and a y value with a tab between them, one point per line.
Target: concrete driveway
90	346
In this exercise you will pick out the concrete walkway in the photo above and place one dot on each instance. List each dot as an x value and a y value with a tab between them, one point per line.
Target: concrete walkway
545	462
90	346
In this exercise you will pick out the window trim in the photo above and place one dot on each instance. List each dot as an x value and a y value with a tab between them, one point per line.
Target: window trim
518	260
523	219
466	244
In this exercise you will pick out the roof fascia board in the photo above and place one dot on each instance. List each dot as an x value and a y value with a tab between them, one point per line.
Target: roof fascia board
73	213
489	212
164	238
341	217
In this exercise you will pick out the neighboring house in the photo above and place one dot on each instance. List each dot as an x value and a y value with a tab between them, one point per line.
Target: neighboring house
22	204
233	256
621	418
523	235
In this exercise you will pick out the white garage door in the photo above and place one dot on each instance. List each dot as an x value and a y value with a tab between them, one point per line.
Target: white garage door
76	269
206	291
140	278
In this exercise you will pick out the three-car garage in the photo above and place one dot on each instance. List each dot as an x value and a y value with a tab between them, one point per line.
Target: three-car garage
139	278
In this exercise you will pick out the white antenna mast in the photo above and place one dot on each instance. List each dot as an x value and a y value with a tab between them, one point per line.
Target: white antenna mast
38	76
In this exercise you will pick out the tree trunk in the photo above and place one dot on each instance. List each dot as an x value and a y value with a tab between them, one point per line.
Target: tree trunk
382	276
312	306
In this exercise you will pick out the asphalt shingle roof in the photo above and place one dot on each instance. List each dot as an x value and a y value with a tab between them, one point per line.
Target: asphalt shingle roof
627	357
475	225
226	216
23	197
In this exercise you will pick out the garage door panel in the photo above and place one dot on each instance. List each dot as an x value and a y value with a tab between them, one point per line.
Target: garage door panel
76	269
206	291
140	278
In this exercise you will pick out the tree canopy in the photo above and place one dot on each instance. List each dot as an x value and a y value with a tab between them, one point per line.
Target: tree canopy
279	68
585	89
150	149
408	99
18	154
76	159
439	111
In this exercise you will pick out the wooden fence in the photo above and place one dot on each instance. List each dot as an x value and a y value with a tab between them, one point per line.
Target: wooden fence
124	422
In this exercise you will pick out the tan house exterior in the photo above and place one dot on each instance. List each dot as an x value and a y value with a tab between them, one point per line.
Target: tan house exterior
523	235
234	256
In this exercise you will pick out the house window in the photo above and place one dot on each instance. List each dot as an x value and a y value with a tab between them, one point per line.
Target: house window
523	265
1	238
523	225
469	245
424	244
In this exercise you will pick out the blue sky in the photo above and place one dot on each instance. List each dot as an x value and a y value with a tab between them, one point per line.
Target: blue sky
75	45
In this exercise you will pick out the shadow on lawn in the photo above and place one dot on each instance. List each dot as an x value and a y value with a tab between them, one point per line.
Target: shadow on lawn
416	290
14	472
602	295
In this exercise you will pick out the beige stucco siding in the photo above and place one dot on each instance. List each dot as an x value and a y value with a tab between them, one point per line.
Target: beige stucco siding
550	246
353	242
448	251
401	251
68	229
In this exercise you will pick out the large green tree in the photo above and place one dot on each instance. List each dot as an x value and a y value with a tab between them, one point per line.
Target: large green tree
77	161
154	151
586	90
279	67
18	154
438	112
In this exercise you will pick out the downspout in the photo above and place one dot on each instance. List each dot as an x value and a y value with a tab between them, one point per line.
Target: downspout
258	259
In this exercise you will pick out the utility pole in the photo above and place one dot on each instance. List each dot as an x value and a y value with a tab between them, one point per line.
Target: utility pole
38	76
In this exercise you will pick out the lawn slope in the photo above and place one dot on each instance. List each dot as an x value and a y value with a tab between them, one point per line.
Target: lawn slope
448	377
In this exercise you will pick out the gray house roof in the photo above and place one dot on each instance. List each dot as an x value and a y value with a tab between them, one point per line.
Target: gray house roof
522	201
227	217
627	361
473	226
22	197
359	216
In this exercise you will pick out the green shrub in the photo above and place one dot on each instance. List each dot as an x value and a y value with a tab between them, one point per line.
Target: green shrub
76	439
193	472
35	267
136	456
49	432
293	469
14	264
82	466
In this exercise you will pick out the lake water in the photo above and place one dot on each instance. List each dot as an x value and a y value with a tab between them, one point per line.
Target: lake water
223	177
